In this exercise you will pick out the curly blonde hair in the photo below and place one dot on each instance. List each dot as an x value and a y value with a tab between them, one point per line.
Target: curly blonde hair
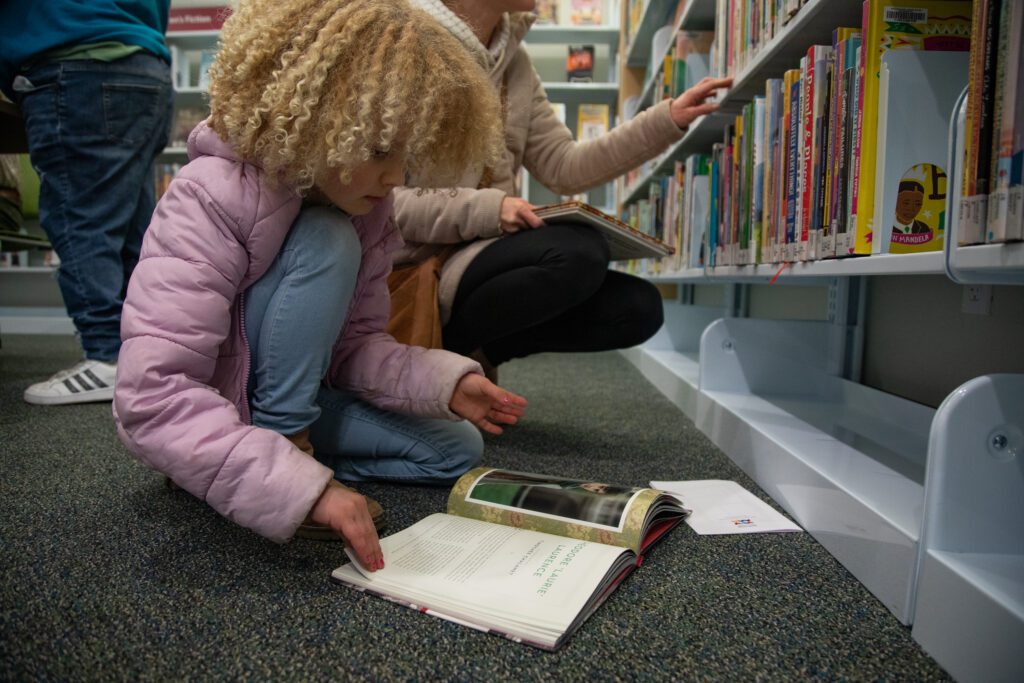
300	85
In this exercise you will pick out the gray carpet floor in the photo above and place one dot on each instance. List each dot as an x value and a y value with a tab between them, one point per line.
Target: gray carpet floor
107	575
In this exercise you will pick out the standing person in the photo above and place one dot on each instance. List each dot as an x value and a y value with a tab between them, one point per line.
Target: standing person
533	290
255	368
92	79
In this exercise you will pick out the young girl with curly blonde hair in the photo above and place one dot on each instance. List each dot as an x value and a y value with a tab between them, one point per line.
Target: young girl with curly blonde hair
254	368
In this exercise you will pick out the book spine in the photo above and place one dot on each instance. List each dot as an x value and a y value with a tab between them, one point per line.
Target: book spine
987	100
1007	75
757	182
1015	200
866	42
713	202
804	158
819	174
978	13
792	170
746	175
779	174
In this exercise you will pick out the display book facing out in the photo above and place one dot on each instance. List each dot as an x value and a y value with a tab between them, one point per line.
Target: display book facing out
624	241
525	556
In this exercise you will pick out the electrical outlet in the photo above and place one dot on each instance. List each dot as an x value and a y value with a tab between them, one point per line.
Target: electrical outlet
977	299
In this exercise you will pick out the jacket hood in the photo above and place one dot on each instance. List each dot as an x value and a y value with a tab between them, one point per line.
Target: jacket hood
204	141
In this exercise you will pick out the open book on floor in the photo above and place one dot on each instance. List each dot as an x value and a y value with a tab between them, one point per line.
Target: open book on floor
626	242
525	556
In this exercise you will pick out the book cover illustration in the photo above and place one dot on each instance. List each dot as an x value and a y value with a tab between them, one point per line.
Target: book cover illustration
586	510
585	12
546	11
579	65
919	91
591	121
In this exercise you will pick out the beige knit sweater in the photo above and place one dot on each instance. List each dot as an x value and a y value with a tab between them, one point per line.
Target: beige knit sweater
535	138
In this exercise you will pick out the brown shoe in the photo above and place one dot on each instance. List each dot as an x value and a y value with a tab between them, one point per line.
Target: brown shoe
322	532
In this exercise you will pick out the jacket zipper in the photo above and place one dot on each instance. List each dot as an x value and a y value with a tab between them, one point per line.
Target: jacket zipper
245	413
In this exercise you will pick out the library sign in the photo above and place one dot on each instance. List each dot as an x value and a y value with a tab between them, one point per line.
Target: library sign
197	18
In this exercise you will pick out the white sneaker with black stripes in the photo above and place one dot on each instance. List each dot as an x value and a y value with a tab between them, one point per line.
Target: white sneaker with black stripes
87	382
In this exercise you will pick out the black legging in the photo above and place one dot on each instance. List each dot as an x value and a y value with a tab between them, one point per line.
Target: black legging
549	289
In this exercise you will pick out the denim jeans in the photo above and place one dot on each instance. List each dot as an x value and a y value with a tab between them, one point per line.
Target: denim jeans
293	315
94	129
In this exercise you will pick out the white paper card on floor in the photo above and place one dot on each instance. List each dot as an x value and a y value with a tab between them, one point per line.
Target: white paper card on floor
724	507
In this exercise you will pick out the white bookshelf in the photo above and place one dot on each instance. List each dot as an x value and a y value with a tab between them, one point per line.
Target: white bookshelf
1003	259
656	14
919	503
582	93
538	42
698	15
546	34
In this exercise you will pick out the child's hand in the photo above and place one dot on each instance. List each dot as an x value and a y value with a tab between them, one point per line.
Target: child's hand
690	106
345	511
485	404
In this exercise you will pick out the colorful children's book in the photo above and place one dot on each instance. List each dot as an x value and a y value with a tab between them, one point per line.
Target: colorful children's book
690	60
591	121
525	556
897	25
792	121
918	92
698	170
546	11
585	12
579	65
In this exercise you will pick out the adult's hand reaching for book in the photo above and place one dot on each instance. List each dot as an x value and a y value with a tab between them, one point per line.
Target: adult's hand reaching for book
345	511
693	103
485	404
517	214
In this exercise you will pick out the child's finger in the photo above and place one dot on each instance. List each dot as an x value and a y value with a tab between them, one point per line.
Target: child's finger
508	410
504	397
504	418
362	537
489	427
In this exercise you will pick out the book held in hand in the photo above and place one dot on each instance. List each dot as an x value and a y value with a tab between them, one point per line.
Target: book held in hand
625	241
525	556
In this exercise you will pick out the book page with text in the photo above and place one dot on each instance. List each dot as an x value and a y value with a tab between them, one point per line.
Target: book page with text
516	580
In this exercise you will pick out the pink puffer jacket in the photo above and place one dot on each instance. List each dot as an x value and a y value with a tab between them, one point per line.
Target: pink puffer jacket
180	403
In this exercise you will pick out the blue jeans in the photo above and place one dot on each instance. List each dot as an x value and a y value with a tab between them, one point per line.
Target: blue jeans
94	129
293	315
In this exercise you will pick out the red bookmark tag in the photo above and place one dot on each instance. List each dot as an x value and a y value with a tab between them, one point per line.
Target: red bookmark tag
775	277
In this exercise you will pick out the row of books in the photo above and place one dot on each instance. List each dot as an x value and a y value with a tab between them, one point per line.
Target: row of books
685	61
682	67
992	181
744	27
676	212
844	155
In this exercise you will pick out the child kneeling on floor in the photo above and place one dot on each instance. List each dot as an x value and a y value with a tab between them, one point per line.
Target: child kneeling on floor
254	368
